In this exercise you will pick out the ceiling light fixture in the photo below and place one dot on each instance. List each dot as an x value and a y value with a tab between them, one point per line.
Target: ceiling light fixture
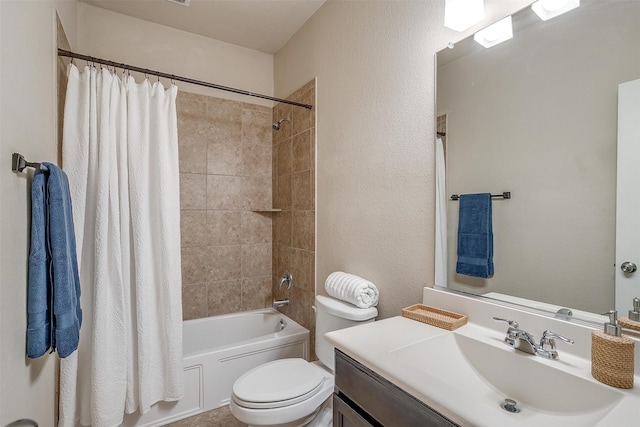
462	14
547	9
496	33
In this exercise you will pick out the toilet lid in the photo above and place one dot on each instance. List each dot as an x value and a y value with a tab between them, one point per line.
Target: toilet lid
279	383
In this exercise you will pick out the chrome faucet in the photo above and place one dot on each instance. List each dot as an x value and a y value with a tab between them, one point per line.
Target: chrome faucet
280	303
524	341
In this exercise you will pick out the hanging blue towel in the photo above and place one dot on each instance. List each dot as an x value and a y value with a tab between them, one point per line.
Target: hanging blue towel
54	315
38	287
63	273
475	236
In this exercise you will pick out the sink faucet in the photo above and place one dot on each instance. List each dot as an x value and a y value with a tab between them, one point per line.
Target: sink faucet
524	341
280	303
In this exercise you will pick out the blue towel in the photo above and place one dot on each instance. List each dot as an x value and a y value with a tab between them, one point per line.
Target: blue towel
38	287
475	236
54	315
64	264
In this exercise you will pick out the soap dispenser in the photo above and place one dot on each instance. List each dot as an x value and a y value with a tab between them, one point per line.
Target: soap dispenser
633	321
612	354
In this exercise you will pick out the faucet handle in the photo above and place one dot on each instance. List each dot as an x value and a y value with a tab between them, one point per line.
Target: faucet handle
548	342
511	323
287	279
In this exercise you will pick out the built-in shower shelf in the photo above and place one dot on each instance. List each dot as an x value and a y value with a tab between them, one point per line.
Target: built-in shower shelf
266	210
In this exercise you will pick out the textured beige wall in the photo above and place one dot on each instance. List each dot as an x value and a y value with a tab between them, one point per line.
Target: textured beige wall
120	38
374	63
28	124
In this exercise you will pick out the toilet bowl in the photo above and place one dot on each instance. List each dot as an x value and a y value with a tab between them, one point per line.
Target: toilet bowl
286	392
294	392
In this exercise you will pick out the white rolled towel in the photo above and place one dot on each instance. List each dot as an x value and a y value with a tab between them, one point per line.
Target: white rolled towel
352	289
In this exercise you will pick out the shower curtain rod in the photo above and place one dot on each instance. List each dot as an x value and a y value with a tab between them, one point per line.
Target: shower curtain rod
62	52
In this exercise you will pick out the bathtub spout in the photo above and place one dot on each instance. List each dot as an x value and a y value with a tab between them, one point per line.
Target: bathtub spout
280	303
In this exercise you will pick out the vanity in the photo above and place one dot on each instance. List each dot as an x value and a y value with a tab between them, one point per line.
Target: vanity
364	398
400	372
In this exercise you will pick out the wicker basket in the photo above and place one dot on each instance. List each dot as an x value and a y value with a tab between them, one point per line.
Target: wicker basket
612	359
434	316
625	322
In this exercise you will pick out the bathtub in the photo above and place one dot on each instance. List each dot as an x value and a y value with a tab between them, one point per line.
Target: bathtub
217	350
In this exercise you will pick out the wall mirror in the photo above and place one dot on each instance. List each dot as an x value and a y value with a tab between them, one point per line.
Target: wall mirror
536	116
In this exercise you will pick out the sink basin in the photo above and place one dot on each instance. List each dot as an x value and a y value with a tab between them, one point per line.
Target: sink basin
488	372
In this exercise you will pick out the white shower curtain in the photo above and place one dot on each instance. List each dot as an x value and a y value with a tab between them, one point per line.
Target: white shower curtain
441	218
120	151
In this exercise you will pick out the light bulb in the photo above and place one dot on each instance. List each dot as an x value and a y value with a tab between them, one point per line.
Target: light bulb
547	9
462	14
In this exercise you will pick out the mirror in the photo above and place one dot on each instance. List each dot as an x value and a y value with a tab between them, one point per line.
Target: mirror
537	116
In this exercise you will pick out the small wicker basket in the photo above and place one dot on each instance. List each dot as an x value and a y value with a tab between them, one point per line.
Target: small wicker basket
625	322
434	316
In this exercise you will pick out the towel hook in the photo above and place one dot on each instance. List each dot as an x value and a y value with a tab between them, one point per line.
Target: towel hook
19	163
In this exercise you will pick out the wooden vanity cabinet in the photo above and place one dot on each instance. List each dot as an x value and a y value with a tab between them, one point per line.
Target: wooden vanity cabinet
363	398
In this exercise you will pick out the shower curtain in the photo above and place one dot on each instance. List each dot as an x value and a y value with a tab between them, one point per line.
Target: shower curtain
120	151
441	218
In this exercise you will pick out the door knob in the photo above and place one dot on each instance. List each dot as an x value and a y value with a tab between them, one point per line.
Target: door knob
628	267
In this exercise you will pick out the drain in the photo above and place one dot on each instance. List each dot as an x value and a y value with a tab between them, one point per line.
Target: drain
510	405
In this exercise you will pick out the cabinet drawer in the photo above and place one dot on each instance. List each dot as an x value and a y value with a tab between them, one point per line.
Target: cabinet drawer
345	416
383	401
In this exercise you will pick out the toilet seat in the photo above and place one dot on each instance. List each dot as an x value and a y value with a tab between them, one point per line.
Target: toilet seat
278	384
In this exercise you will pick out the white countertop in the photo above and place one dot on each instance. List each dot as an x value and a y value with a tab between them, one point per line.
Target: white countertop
373	344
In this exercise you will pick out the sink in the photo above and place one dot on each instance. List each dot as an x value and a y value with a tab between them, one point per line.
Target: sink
486	371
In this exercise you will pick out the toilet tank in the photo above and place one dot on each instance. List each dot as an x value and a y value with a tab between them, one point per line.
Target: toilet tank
331	315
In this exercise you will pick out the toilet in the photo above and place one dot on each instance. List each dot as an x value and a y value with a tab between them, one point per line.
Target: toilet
294	392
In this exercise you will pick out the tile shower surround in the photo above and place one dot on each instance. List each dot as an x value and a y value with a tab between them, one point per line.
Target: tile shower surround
225	171
231	161
294	192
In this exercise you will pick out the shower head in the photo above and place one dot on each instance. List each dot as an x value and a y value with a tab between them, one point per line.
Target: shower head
276	126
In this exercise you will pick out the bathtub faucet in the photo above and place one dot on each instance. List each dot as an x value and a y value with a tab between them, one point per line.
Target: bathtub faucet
280	303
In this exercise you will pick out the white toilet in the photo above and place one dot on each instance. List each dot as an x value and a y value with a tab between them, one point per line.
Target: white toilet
294	392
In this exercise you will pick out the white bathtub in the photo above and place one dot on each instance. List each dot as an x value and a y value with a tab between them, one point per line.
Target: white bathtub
217	350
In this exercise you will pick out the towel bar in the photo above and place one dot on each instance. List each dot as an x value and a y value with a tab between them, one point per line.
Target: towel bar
505	195
18	163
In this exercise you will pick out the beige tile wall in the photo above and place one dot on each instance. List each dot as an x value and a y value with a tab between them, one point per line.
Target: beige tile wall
225	172
229	166
294	193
